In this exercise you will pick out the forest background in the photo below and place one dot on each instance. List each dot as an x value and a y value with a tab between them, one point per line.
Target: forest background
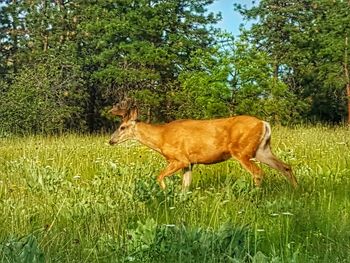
67	196
64	63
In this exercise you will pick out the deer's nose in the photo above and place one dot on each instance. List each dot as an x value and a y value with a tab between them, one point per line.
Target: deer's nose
111	142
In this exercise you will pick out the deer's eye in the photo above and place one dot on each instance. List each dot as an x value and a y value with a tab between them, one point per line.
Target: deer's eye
122	128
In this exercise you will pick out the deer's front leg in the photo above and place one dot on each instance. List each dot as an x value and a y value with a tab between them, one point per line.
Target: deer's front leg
172	167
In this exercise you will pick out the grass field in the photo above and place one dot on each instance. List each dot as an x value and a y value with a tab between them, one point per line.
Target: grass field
74	198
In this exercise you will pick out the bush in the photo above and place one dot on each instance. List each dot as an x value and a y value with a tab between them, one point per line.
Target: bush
150	242
46	99
21	250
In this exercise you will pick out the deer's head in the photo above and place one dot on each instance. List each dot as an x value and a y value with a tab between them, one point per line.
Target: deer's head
129	114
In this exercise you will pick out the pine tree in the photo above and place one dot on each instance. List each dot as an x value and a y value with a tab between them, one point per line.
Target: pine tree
307	41
140	47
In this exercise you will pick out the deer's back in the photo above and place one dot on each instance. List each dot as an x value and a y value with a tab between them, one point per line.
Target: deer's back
208	141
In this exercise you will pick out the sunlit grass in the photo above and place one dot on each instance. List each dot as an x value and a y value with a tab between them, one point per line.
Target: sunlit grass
76	199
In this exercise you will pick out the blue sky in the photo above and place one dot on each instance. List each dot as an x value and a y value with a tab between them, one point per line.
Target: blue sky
230	19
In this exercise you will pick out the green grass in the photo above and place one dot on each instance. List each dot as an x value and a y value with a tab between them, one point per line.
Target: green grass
76	199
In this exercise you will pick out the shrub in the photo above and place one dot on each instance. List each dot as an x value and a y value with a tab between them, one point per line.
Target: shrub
45	99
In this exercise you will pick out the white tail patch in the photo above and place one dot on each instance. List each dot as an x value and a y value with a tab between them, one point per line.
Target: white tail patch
267	130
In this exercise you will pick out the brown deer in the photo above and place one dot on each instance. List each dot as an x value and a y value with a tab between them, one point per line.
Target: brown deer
184	143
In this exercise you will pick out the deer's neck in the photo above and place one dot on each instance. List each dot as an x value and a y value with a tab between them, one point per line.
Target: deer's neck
149	135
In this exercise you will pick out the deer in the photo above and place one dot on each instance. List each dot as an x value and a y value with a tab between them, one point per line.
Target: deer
185	143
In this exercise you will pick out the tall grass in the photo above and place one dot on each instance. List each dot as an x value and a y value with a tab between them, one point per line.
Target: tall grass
76	199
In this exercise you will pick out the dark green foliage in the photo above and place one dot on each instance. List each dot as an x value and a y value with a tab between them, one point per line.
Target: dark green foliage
12	31
205	90
292	65
307	42
150	242
147	190
21	250
46	98
256	91
138	48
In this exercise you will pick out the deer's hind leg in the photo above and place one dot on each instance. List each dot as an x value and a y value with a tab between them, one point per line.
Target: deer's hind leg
253	169
246	160
265	155
245	153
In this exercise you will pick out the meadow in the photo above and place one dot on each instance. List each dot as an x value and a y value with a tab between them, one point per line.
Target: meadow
74	198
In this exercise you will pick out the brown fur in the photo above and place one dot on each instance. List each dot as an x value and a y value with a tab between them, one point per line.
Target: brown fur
184	143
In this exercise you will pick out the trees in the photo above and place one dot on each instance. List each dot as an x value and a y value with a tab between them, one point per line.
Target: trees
119	48
333	24
43	86
139	48
307	40
292	64
12	34
44	99
236	80
204	90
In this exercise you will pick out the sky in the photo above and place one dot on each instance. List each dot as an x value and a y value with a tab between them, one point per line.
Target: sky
230	19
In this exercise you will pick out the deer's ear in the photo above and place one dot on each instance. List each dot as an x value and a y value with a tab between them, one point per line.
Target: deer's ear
118	112
133	114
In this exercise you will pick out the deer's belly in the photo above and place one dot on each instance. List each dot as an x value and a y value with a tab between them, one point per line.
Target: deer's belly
208	158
